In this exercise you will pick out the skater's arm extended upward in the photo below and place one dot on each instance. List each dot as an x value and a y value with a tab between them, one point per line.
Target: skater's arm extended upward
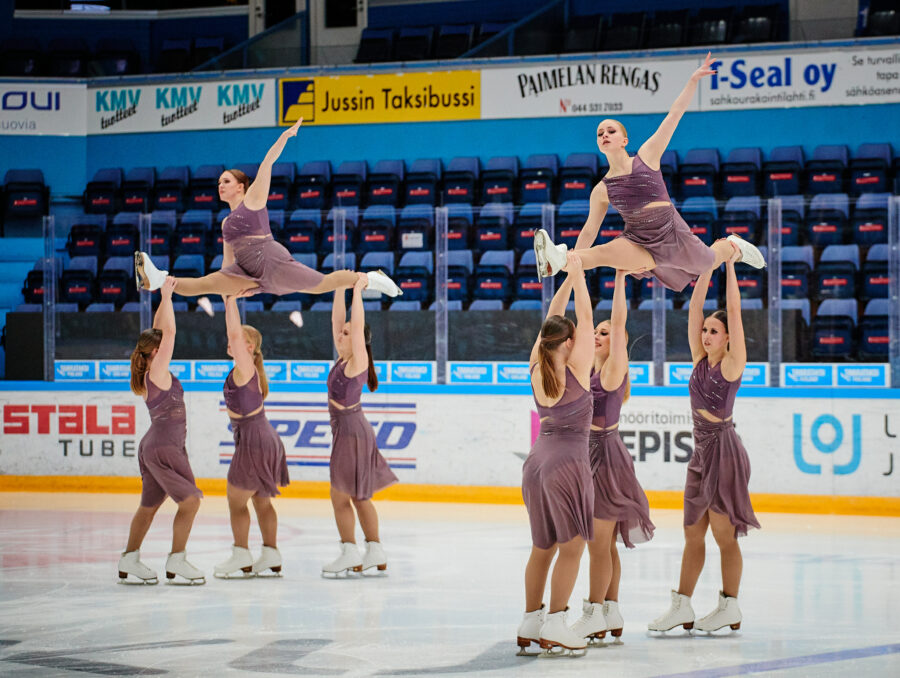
599	205
736	355
695	317
243	360
359	363
557	307
338	314
258	193
616	366
582	356
164	320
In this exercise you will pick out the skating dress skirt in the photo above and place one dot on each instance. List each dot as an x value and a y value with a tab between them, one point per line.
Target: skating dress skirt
356	467
262	260
618	495
162	457
259	462
718	474
680	255
556	477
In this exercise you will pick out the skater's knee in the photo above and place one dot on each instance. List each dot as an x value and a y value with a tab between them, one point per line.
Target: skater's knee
191	504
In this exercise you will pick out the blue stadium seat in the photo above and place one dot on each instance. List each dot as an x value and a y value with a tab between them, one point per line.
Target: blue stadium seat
793	216
29	308
783	170
33	285
605	283
753	304
375	45
162	224
276	222
525	305
422	181
488	30
286	306
203	191
461	180
415	228
415	273
406	305
869	169
612	227
647	304
741	171
174	56
453	40
528	220
115	283
486	305
834	329
253	306
645	289
248	168
215	264
742	215
796	267
578	176
328	262
86	236
669	165
171	187
699	172
874	337
604	305
751	281
189	266
192	233
875	275
385	182
376	229
207	48
281	186
321	306
492	227
130	307
712	291
413	43
98	307
837	271
870	219
827	219
826	171
494	275
452	305
527	284
498	180
137	189
312	184
77	281
537	179
801	305
302	231
348	183
710	305
351	220
378	261
570	220
701	214
216	240
460	269
26	195
102	193
121	238
459	226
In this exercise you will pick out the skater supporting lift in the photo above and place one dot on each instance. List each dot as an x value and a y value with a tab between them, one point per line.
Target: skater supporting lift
556	477
357	469
716	491
252	259
620	505
259	465
656	240
162	457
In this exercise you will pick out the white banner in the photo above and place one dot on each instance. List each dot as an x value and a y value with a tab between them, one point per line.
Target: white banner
29	108
176	107
813	446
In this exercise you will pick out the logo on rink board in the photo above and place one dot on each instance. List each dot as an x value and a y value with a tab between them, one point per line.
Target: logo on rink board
827	434
862	375
75	370
471	373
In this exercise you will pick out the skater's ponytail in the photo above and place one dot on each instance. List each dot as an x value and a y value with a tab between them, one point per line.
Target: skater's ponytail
255	338
140	358
555	330
372	380
242	179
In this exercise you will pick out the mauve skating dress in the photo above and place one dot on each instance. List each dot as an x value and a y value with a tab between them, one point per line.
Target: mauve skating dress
680	255
162	457
556	477
356	467
263	261
618	495
718	474
259	462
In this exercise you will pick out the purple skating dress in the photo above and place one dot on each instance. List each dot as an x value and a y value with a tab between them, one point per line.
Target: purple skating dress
556	476
356	467
162	457
680	255
263	261
259	462
618	495
718	474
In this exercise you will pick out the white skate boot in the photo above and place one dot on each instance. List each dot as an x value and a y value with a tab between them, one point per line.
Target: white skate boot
380	282
374	557
727	613
750	253
680	613
146	275
614	621
557	639
550	258
269	559
177	564
347	561
530	632
592	625
130	563
241	561
206	305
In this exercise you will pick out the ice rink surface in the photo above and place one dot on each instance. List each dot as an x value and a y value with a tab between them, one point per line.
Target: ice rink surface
820	597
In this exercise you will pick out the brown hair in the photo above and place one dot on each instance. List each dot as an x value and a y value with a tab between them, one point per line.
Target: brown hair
372	380
140	357
241	177
722	316
256	339
555	330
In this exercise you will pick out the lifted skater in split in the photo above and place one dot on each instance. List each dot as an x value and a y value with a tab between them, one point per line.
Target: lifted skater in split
656	240
162	457
253	260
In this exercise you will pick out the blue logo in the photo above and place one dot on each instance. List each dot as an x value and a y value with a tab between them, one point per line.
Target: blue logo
833	443
276	370
182	369
804	374
861	375
639	374
308	372
679	374
412	373
115	370
755	374
513	373
381	371
75	370
212	370
471	373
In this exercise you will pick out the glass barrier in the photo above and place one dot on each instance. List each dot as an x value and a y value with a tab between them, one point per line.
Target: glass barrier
284	45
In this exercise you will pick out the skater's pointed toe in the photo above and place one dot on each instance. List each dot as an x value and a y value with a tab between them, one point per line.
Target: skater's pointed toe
381	282
750	253
146	275
550	258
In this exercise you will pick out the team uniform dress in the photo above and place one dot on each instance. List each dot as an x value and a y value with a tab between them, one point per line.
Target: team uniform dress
356	467
680	255
259	462
718	474
556	477
618	495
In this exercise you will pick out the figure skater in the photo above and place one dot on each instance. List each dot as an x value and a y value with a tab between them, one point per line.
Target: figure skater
252	259
162	457
357	469
259	466
556	476
716	491
620	505
656	240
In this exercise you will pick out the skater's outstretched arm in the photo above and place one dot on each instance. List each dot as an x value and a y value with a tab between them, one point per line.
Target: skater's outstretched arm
599	205
237	339
258	193
736	354
616	366
338	314
164	320
652	149
582	356
695	316
359	363
557	307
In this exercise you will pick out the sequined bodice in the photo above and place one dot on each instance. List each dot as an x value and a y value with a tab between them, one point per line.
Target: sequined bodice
607	404
631	193
571	414
165	405
344	390
710	391
244	221
244	399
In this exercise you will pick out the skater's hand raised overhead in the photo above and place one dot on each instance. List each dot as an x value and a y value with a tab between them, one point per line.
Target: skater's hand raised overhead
705	69
258	193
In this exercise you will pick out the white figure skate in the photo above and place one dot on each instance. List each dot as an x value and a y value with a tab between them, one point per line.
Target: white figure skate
146	275
558	640
130	564
750	253
727	613
550	258
348	561
530	632
380	282
206	305
592	625
177	565
241	561
614	621
374	557
680	613
269	559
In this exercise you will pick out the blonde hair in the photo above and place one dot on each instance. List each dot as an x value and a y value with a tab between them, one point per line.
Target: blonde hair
555	330
621	127
140	358
255	338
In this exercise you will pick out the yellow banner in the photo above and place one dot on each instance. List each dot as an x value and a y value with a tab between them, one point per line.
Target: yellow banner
396	97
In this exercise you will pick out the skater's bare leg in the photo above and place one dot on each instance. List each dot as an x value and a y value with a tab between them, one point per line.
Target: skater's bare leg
601	559
612	593
694	555
368	518
732	561
619	253
333	281
565	572
240	514
214	283
343	515
143	517
536	572
184	520
267	519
